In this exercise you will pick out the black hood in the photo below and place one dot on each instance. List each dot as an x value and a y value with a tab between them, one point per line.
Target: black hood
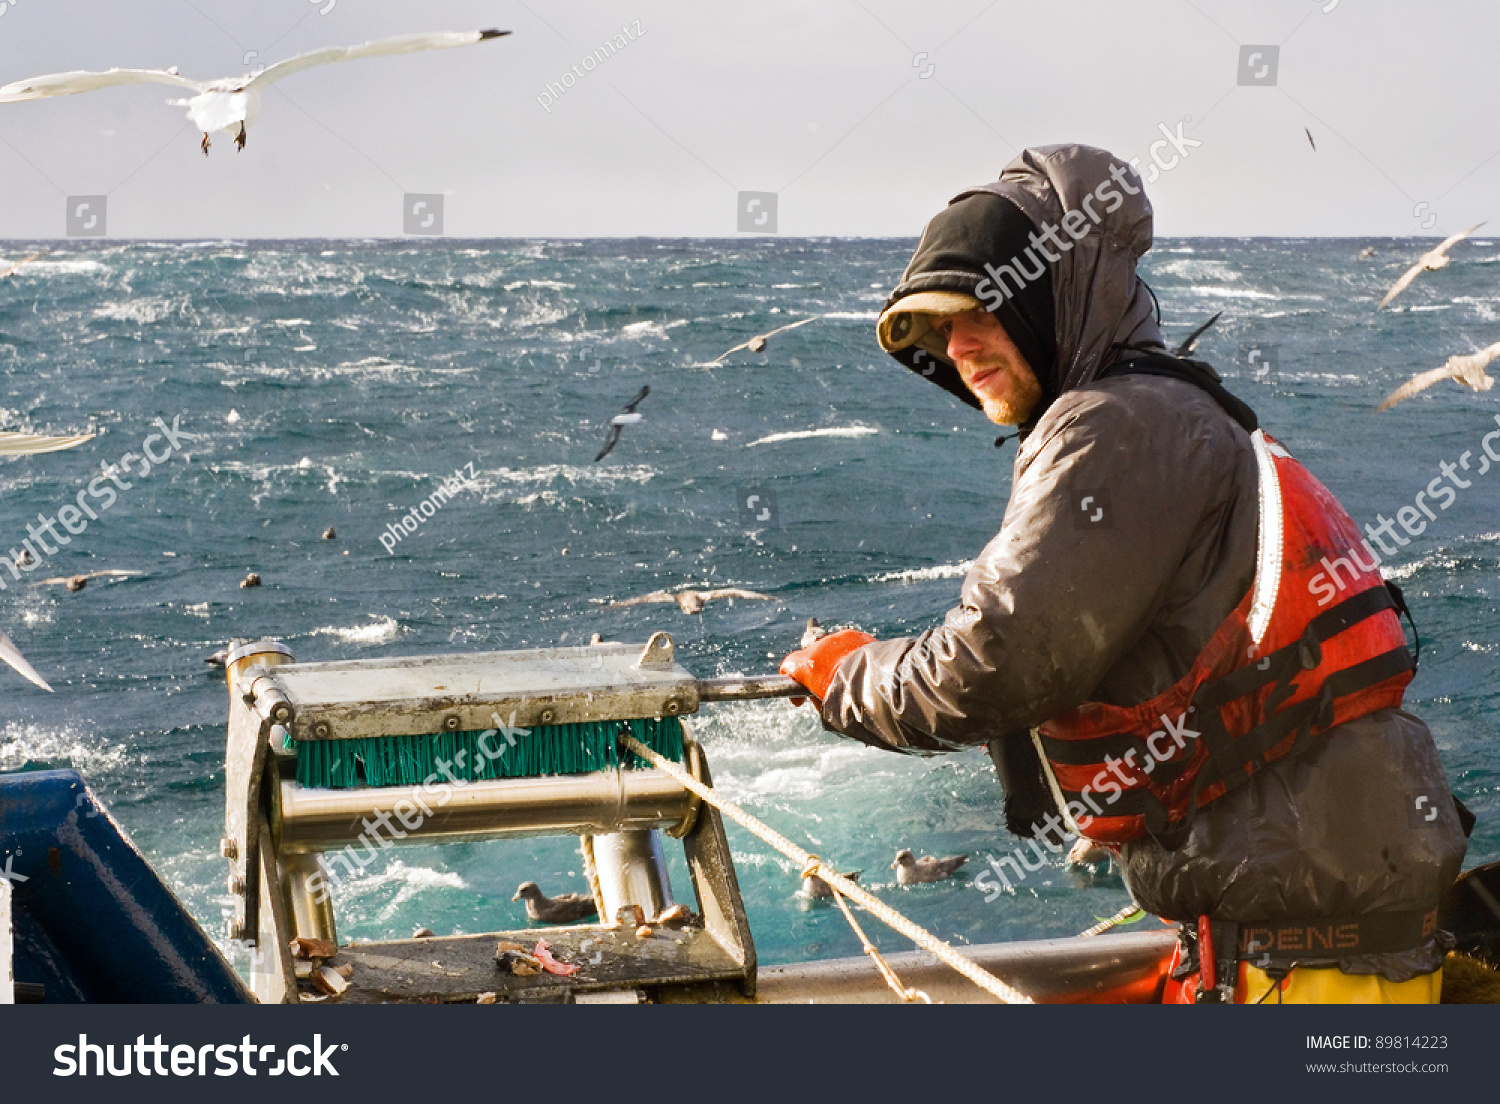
1070	316
975	230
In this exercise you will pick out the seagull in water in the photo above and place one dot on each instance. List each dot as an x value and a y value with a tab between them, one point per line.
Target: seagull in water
1430	261
757	344
78	582
232	103
817	889
1190	342
626	417
691	601
1467	370
565	908
910	871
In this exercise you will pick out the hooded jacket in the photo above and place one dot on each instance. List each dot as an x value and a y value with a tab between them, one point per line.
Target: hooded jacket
1129	536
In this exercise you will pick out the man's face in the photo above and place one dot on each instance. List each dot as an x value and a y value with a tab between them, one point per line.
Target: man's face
992	368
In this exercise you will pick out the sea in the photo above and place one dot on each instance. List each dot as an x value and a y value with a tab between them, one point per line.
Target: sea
337	384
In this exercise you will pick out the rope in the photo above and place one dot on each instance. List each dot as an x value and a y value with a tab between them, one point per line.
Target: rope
907	995
811	863
1125	914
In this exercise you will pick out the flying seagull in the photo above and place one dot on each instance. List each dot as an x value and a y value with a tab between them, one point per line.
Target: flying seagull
691	601
1191	341
626	417
78	582
1467	370
1310	141
232	103
757	344
20	444
12	655
21	262
1430	261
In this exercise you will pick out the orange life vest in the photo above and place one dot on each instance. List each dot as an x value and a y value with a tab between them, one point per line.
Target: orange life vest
1279	671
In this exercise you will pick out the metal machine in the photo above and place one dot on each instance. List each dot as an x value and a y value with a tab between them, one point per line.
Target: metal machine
278	831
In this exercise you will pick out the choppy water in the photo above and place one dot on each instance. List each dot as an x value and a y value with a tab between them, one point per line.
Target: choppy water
335	384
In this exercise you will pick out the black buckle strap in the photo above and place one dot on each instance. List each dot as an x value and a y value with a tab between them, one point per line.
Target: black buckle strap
1288	659
1399	600
1228	756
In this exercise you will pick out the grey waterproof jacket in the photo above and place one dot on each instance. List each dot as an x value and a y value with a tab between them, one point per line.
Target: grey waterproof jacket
1129	536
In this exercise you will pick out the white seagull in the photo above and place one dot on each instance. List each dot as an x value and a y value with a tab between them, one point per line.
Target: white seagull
18	444
1430	261
691	601
1467	370
12	655
629	416
233	103
757	344
19	264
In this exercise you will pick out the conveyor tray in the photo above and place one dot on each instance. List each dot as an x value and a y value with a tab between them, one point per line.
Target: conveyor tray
456	969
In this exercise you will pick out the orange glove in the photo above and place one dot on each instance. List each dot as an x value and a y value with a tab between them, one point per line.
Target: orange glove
814	665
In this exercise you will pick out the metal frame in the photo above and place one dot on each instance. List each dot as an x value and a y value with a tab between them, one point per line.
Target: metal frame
275	829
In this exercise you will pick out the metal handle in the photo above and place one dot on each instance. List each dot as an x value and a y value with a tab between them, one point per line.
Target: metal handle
749	687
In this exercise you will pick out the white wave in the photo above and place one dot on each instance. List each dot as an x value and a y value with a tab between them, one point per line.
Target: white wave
571	473
43	265
644	329
377	632
805	434
408	881
137	310
20	741
917	574
855	316
549	285
1233	293
291	322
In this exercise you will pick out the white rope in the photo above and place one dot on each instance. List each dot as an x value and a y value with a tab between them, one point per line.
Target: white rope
811	863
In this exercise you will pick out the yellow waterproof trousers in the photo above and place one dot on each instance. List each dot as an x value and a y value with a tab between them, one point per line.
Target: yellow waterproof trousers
1305	985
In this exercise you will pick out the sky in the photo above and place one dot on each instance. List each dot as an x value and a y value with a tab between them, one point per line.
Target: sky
847	117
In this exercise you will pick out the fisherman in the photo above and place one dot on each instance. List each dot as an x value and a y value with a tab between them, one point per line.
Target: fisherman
1138	645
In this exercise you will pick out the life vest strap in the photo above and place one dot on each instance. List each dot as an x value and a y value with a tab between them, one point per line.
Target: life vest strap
1229	756
1279	666
1291	657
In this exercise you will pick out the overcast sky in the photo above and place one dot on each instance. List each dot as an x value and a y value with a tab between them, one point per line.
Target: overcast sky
862	116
